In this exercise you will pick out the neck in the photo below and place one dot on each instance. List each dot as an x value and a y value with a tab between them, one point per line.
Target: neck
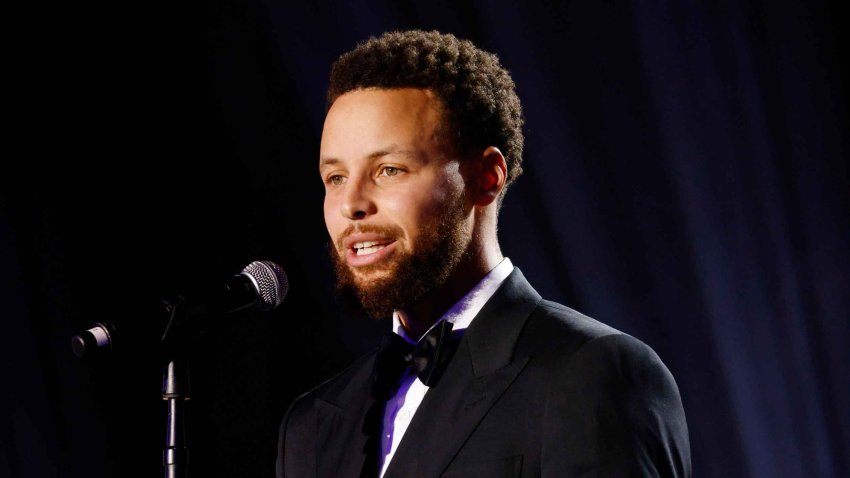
418	317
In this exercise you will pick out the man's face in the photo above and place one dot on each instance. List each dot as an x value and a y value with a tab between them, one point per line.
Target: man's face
394	207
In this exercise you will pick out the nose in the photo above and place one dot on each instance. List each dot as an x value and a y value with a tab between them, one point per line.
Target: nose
357	201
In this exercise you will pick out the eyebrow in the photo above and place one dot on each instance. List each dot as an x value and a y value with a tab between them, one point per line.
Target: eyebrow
393	149
328	162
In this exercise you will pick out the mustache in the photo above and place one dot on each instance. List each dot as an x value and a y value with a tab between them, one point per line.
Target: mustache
386	231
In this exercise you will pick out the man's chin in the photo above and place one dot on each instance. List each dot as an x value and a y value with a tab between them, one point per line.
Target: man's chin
373	283
374	287
377	298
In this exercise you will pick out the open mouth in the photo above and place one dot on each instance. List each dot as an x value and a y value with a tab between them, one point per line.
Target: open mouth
368	247
362	253
363	249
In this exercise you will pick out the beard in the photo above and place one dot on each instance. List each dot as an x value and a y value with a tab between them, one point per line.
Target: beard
410	275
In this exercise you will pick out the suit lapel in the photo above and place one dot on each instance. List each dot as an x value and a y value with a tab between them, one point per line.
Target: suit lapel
481	370
340	417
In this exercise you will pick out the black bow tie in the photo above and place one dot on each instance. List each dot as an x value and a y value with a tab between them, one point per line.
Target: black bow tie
428	358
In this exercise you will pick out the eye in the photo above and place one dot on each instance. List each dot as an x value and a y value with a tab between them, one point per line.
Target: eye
336	179
390	171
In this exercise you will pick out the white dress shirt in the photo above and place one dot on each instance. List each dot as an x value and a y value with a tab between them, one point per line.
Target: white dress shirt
401	407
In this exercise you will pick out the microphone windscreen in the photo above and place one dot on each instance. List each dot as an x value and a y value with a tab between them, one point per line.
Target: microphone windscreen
270	281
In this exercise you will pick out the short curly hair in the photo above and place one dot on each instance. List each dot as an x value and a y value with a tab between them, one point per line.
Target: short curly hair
478	94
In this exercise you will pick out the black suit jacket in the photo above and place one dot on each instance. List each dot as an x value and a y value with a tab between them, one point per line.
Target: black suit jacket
534	389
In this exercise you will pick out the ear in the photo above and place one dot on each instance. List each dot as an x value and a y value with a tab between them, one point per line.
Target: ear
489	171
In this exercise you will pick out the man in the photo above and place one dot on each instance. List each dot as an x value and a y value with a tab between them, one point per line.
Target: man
423	135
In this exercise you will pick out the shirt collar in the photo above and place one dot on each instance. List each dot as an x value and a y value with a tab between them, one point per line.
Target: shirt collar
464	310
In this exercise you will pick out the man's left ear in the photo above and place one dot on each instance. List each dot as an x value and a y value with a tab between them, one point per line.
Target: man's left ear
489	173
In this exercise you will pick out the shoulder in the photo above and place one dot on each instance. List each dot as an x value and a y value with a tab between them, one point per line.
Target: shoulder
621	402
569	341
297	440
334	390
299	420
554	329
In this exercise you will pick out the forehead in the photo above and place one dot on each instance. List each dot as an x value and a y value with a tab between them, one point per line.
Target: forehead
363	121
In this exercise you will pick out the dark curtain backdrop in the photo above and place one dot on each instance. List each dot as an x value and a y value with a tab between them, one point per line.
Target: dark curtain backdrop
686	182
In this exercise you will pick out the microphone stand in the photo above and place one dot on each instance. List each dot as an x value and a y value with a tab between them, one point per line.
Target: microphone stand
262	285
175	390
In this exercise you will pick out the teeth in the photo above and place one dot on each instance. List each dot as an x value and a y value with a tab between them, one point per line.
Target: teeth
362	251
361	245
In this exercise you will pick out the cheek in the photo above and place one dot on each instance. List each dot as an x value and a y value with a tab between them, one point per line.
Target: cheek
444	194
420	212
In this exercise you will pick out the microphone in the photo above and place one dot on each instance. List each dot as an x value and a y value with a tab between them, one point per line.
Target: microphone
261	286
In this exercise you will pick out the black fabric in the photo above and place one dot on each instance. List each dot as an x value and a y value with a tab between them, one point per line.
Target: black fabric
427	358
535	389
